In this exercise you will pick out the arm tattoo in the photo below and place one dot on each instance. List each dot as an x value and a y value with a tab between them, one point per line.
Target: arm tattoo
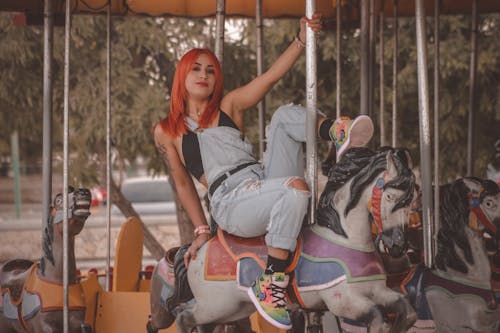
163	153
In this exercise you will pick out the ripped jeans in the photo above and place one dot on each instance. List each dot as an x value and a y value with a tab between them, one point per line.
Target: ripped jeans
257	200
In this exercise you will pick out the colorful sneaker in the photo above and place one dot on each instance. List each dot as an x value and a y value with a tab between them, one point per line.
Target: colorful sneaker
347	133
268	295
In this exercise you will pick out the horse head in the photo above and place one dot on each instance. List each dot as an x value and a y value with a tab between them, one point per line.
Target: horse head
78	210
383	180
467	204
389	204
484	206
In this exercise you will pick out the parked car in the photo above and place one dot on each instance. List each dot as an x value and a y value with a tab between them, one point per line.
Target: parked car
148	196
99	196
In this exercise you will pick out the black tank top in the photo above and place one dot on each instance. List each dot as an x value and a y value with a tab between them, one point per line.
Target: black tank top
191	147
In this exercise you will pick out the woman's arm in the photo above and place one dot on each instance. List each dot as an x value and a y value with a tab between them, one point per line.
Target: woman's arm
250	94
188	196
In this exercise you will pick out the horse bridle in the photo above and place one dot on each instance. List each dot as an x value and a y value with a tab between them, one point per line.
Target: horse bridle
375	202
477	212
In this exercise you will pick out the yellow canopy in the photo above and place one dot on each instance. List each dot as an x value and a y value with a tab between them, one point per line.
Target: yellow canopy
240	8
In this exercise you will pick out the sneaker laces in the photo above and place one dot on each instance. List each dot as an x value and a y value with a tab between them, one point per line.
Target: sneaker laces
278	295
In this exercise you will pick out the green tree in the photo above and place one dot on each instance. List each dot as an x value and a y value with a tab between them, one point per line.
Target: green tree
144	54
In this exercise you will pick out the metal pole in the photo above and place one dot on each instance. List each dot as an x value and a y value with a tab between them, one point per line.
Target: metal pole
382	76
260	65
67	36
339	58
371	61
14	143
436	121
311	147
395	78
471	134
364	66
108	145
425	138
219	29
48	51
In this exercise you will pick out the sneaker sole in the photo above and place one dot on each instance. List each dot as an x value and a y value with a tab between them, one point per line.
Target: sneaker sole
361	130
263	313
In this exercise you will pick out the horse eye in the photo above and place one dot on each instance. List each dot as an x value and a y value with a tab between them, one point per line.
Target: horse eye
389	196
489	204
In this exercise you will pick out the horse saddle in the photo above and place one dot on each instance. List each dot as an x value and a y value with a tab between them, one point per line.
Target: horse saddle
229	257
37	295
421	278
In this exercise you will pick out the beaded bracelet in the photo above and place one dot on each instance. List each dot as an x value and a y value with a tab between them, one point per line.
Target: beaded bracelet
202	229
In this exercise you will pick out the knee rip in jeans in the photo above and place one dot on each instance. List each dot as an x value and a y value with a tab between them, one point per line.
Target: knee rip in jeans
297	183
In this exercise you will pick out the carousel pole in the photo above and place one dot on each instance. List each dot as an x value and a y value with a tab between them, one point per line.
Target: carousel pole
382	76
311	147
108	145
471	133
48	52
436	119
220	17
395	77
260	64
67	39
425	150
365	55
339	60
371	61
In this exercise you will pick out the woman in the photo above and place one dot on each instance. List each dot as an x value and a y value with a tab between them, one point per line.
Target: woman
202	136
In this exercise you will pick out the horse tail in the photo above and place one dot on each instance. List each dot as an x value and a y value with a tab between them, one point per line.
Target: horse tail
182	291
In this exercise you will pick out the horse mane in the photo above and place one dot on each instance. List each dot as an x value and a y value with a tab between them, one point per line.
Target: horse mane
47	240
454	213
182	290
362	165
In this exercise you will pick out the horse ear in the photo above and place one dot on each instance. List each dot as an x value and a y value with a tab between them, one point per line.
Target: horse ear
392	172
472	184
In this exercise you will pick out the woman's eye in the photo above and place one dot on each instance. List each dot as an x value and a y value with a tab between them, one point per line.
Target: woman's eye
196	69
211	71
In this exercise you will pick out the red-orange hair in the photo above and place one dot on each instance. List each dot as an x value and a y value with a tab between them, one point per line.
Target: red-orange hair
174	122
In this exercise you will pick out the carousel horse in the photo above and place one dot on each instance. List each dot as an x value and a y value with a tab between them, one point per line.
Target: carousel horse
32	293
457	295
336	266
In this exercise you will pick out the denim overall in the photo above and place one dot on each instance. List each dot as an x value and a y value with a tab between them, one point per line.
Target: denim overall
257	200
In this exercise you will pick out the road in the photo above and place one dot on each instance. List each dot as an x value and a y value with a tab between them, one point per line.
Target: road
21	237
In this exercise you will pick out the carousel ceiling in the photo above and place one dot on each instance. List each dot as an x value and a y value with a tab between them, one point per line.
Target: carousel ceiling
239	8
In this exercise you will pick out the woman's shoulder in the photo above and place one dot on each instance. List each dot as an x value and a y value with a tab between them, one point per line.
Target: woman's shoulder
161	134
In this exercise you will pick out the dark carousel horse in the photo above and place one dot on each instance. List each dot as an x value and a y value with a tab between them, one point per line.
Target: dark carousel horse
32	293
457	295
335	268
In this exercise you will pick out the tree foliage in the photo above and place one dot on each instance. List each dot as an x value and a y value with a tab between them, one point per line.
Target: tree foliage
144	54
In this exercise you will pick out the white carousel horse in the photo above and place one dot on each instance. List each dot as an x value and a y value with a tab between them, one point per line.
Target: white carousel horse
336	267
32	293
457	295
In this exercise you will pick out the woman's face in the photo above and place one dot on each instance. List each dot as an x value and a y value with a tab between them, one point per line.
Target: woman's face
200	80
